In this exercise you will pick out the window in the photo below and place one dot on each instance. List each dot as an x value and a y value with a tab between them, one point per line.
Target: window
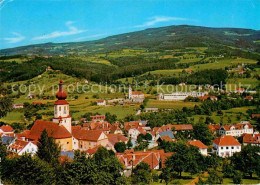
68	142
232	147
221	148
227	147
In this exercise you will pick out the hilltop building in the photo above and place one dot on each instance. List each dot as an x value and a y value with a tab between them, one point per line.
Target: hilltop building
135	96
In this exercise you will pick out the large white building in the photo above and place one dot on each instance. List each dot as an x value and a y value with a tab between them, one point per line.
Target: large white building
135	96
226	146
21	147
236	130
180	95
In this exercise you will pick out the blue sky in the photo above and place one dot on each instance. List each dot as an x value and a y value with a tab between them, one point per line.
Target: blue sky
24	22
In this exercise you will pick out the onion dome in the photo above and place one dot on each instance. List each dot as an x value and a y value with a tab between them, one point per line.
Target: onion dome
61	95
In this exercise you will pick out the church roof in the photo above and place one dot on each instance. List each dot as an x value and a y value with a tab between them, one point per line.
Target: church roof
53	130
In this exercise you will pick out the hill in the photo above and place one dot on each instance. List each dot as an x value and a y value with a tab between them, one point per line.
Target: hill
153	39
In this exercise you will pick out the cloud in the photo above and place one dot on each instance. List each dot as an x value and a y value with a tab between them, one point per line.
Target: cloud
3	3
89	37
157	19
15	39
72	31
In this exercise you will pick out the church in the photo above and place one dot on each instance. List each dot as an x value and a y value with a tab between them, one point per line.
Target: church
135	96
60	126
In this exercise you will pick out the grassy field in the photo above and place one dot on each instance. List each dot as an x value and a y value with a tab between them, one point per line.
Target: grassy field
221	64
170	104
231	114
234	83
13	116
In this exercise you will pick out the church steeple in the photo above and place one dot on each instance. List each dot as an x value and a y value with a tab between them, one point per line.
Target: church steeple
61	109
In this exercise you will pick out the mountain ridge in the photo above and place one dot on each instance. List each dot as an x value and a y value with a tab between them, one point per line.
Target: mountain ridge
160	38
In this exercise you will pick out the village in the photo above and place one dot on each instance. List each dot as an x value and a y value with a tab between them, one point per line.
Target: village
123	138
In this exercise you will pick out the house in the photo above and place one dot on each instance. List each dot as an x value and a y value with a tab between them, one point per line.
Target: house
6	129
212	98
166	135
130	159
98	118
255	116
202	148
86	139
236	130
115	138
240	90
101	102
103	126
170	127
226	146
60	126
134	132
214	128
249	98
21	147
90	152
37	103
116	129
252	139
153	109
18	106
164	138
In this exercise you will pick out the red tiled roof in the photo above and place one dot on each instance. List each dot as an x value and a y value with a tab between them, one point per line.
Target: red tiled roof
100	101
226	141
53	130
23	134
249	97
19	144
129	125
183	127
137	93
6	128
207	97
251	138
115	138
214	128
237	126
98	117
166	138
88	135
37	102
152	158
92	151
198	144
255	115
64	158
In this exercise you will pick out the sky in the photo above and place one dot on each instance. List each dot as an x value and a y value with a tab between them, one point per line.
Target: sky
24	22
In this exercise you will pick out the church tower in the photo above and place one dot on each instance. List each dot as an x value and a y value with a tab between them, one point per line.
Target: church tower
61	109
130	92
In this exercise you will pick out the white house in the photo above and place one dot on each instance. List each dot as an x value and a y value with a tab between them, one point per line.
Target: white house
21	147
6	129
202	148
101	102
226	146
236	130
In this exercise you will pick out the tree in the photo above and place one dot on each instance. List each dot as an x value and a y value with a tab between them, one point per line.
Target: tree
215	177
48	150
184	159
110	118
148	137
129	143
201	132
248	160
27	170
141	174
237	178
5	106
120	147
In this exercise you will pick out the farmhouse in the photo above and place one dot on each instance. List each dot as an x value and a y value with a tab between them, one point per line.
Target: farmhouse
18	106
252	139
203	148
226	146
21	147
101	102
